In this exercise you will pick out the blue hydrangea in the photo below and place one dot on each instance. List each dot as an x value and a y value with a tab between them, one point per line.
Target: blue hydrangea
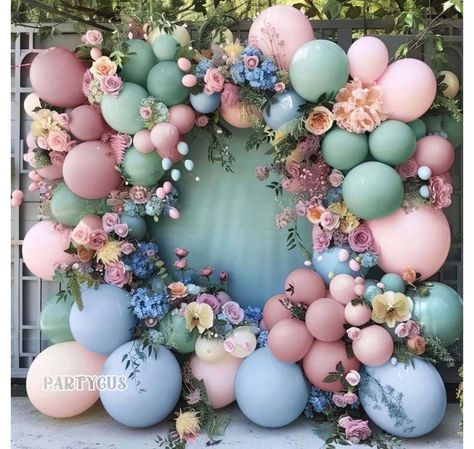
262	339
253	314
237	71
149	304
251	51
155	337
187	279
154	206
134	210
308	411
142	260
193	289
368	260
319	400
202	68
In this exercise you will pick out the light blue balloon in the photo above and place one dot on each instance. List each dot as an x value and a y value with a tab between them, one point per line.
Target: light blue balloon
269	392
183	148
334	195
205	104
149	397
136	226
418	399
371	291
424	173
166	163
175	175
328	265
282	108
189	164
425	191
106	322
393	282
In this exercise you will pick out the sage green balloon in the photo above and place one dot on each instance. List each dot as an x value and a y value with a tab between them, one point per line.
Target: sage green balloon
142	169
344	150
165	47
122	111
372	190
173	328
319	67
433	123
392	142
453	129
137	65
54	320
418	126
165	83
68	208
439	312
393	282
136	226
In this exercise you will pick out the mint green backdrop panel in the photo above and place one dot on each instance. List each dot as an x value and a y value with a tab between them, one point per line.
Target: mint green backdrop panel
228	221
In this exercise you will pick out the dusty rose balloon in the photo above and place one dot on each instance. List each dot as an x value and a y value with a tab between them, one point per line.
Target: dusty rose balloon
274	311
218	378
409	89
325	319
44	249
86	123
165	137
304	285
368	59
342	288
56	76
32	101
89	170
63	359
357	315
183	117
31	141
434	152
420	239
96	53
51	172
322	359
184	64
289	340
235	116
279	31
93	221
142	141
374	347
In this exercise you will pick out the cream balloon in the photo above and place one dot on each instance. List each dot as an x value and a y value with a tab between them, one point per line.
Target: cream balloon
224	36
32	101
180	33
452	83
244	341
209	349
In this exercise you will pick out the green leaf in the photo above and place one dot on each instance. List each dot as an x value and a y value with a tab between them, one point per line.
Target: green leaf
330	378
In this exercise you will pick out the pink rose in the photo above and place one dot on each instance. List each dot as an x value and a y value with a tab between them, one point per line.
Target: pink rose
109	220
402	330
214	81
336	178
329	221
360	239
181	252
319	120
262	172
58	140
321	239
202	121
413	328
233	312
230	95
103	66
98	238
440	191
127	248
42	142
145	112
57	158
223	276
408	169
121	229
81	235
293	169
229	344
86	82
117	274
344	421
373	248
63	120
223	297
251	62
181	264
353	377
350	398
338	399
111	85
92	37
211	300
206	271
357	430
279	87
300	208
354	333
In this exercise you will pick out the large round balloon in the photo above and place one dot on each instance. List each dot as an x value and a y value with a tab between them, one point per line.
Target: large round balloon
282	108
434	152
374	347
368	59
282	390
419	239
89	170
274	33
136	226
56	76
54	320
344	150
372	190
175	333
106	321
319	67
164	83
165	47
274	311
304	285
453	129
325	319
122	111
180	33
137	64
240	115
406	400
408	89
142	169
86	123
151	395
205	104
289	340
44	249
183	117
439	312
50	367
418	126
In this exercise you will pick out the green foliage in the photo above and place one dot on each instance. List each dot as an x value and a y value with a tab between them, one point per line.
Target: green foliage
218	150
436	352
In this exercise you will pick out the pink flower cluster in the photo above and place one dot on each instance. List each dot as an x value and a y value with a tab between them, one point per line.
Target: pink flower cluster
214	81
117	274
233	312
361	240
356	429
408	329
440	191
111	224
408	169
344	399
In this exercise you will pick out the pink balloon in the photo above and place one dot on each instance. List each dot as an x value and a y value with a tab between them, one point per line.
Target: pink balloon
435	152
55	362
322	359
56	76
89	170
409	89
279	32
374	347
31	141
184	64
420	239
218	378
32	101
233	116
304	285
289	340
183	117
142	141
16	202
165	137
189	80
357	315
274	311
86	123
51	172
18	194
93	221
44	249
325	319
368	59
96	53
342	288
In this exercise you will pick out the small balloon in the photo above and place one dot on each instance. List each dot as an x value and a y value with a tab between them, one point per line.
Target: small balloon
205	104
424	173
32	102
274	311
183	148
189	80
342	288
183	117
435	152
164	82
166	163
209	349
374	347
368	59
175	174
184	64
425	191
289	340
142	141
304	286
189	164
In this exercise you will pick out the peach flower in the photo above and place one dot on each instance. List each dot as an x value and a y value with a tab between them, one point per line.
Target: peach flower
319	120
103	66
178	290
417	345
409	275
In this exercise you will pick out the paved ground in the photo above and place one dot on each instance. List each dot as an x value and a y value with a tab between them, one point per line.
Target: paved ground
96	430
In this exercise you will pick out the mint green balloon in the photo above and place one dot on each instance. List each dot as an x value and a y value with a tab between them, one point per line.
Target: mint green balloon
393	282
392	142
136	226
418	126
68	208
165	83
122	112
165	47
433	123
453	129
439	313
372	190
344	150
137	66
173	328
142	169
54	320
318	67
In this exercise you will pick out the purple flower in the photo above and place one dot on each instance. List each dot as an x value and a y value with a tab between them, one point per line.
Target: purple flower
206	272
121	229
262	172
360	239
223	276
109	220
145	112
338	399
211	300
353	378
357	430
321	239
329	221
127	248
111	84
350	398
116	274
233	312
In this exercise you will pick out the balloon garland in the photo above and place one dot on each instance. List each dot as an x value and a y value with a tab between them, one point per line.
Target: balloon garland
355	151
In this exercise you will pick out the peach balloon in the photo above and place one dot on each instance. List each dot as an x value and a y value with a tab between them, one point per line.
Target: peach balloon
368	59
86	123
357	315
289	340
183	117
218	378
32	101
420	239
325	319
408	89
51	365
304	285
239	115
322	359
274	311
434	152
374	347
342	288
93	221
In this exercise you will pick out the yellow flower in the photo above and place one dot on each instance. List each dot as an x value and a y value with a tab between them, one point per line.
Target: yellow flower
187	425
109	253
338	208
200	315
234	50
44	122
348	223
278	137
391	307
